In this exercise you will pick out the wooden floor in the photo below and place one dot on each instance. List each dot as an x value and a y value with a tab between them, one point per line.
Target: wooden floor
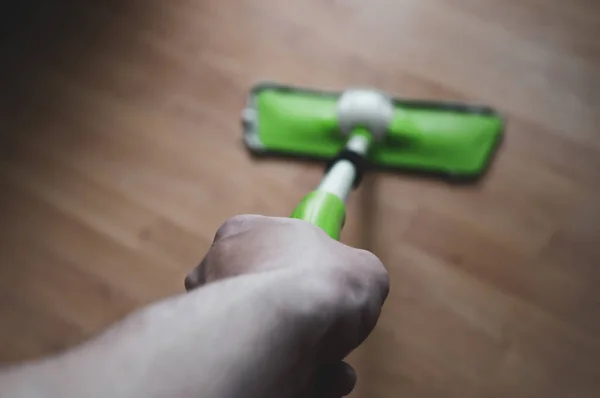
121	155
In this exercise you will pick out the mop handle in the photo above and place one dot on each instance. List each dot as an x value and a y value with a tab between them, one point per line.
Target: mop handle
325	207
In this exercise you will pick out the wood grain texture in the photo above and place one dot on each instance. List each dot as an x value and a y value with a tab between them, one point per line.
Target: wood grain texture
121	155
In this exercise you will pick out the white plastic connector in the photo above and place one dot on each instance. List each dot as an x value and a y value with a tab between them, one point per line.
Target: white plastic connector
369	109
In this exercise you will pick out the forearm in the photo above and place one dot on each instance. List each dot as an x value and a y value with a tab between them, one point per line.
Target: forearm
193	345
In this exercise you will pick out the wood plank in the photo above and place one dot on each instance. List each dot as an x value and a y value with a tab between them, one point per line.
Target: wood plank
121	153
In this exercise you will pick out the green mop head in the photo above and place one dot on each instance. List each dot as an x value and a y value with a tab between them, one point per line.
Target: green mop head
451	139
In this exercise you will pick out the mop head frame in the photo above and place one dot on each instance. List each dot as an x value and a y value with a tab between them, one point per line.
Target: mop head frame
448	139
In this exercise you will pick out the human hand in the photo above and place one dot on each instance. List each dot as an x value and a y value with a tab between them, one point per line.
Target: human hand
349	287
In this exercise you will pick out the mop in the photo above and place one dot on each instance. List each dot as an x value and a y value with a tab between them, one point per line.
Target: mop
363	129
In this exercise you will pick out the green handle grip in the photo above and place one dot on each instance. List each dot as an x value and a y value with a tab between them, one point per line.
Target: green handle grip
323	209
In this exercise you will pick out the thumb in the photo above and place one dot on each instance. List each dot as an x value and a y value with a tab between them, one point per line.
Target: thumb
335	380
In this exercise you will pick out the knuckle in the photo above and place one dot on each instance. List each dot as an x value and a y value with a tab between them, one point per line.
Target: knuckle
236	225
376	271
237	222
212	266
222	248
371	261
